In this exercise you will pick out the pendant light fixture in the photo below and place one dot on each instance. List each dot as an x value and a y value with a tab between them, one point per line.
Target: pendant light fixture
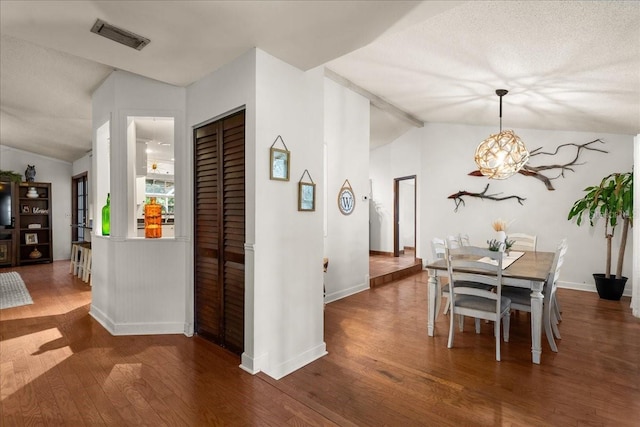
502	154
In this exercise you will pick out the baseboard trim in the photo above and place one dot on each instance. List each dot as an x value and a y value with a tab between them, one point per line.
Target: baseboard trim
347	292
157	328
585	287
381	253
252	365
102	318
297	362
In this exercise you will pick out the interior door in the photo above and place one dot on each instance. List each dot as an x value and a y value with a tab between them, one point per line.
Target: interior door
220	231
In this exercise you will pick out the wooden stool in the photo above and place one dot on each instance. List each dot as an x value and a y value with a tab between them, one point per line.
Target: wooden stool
86	264
75	258
84	254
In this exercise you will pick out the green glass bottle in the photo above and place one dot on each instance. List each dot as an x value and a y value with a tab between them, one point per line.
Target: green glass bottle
106	216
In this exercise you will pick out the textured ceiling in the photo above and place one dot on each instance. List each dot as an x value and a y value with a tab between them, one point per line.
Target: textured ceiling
569	65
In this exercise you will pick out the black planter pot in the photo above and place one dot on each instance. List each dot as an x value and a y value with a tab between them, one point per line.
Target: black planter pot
610	288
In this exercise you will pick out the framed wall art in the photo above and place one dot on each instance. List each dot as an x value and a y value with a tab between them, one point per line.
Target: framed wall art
346	199
279	161
31	238
306	194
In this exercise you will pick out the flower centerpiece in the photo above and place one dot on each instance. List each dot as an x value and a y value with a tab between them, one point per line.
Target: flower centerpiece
507	244
501	242
500	226
495	245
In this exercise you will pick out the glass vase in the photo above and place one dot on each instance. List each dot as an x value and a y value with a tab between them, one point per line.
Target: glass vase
106	217
152	219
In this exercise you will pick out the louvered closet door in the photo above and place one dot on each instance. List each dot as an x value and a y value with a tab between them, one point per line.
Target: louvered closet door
220	232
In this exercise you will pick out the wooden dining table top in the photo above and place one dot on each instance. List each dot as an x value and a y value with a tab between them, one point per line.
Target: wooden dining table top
530	266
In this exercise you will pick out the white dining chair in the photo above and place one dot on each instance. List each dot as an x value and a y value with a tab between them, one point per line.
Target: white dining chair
458	240
480	303
522	242
438	246
521	298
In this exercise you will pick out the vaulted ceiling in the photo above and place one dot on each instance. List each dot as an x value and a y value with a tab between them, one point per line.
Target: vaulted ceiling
569	65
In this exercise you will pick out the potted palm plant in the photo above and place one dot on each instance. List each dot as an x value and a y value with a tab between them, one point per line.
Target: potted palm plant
611	200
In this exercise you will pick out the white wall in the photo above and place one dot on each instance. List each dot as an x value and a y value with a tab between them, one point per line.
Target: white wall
139	285
447	158
81	165
58	173
397	159
289	243
283	249
346	118
381	202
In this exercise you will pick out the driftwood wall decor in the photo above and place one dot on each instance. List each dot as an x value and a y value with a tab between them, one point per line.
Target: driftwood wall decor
458	197
536	171
533	171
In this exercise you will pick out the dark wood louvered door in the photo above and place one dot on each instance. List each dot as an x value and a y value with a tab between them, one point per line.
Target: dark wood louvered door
220	231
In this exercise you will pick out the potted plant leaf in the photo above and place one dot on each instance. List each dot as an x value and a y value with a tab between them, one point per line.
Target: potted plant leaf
612	201
10	176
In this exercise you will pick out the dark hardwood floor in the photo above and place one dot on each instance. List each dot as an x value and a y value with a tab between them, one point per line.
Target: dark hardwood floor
58	366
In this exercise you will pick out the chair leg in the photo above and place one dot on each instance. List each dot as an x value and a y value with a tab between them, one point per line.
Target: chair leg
496	332
79	265
461	322
452	328
86	266
554	326
547	314
447	305
477	325
74	259
506	324
556	307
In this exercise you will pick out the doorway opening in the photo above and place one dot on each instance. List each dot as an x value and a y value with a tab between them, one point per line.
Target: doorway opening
404	216
385	267
80	215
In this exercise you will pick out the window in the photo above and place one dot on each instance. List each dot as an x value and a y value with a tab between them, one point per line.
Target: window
151	141
163	192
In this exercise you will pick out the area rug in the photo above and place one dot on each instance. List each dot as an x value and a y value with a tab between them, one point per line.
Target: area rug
13	292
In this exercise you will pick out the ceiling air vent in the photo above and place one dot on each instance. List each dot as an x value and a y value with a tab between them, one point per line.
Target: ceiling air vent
119	35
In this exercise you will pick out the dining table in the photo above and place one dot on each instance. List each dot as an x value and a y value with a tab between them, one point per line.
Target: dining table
530	271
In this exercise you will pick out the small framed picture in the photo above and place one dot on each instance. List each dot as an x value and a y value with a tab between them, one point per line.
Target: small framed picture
25	209
279	166
4	252
306	196
31	238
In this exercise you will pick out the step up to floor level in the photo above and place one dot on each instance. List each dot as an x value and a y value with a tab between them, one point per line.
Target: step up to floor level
400	273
